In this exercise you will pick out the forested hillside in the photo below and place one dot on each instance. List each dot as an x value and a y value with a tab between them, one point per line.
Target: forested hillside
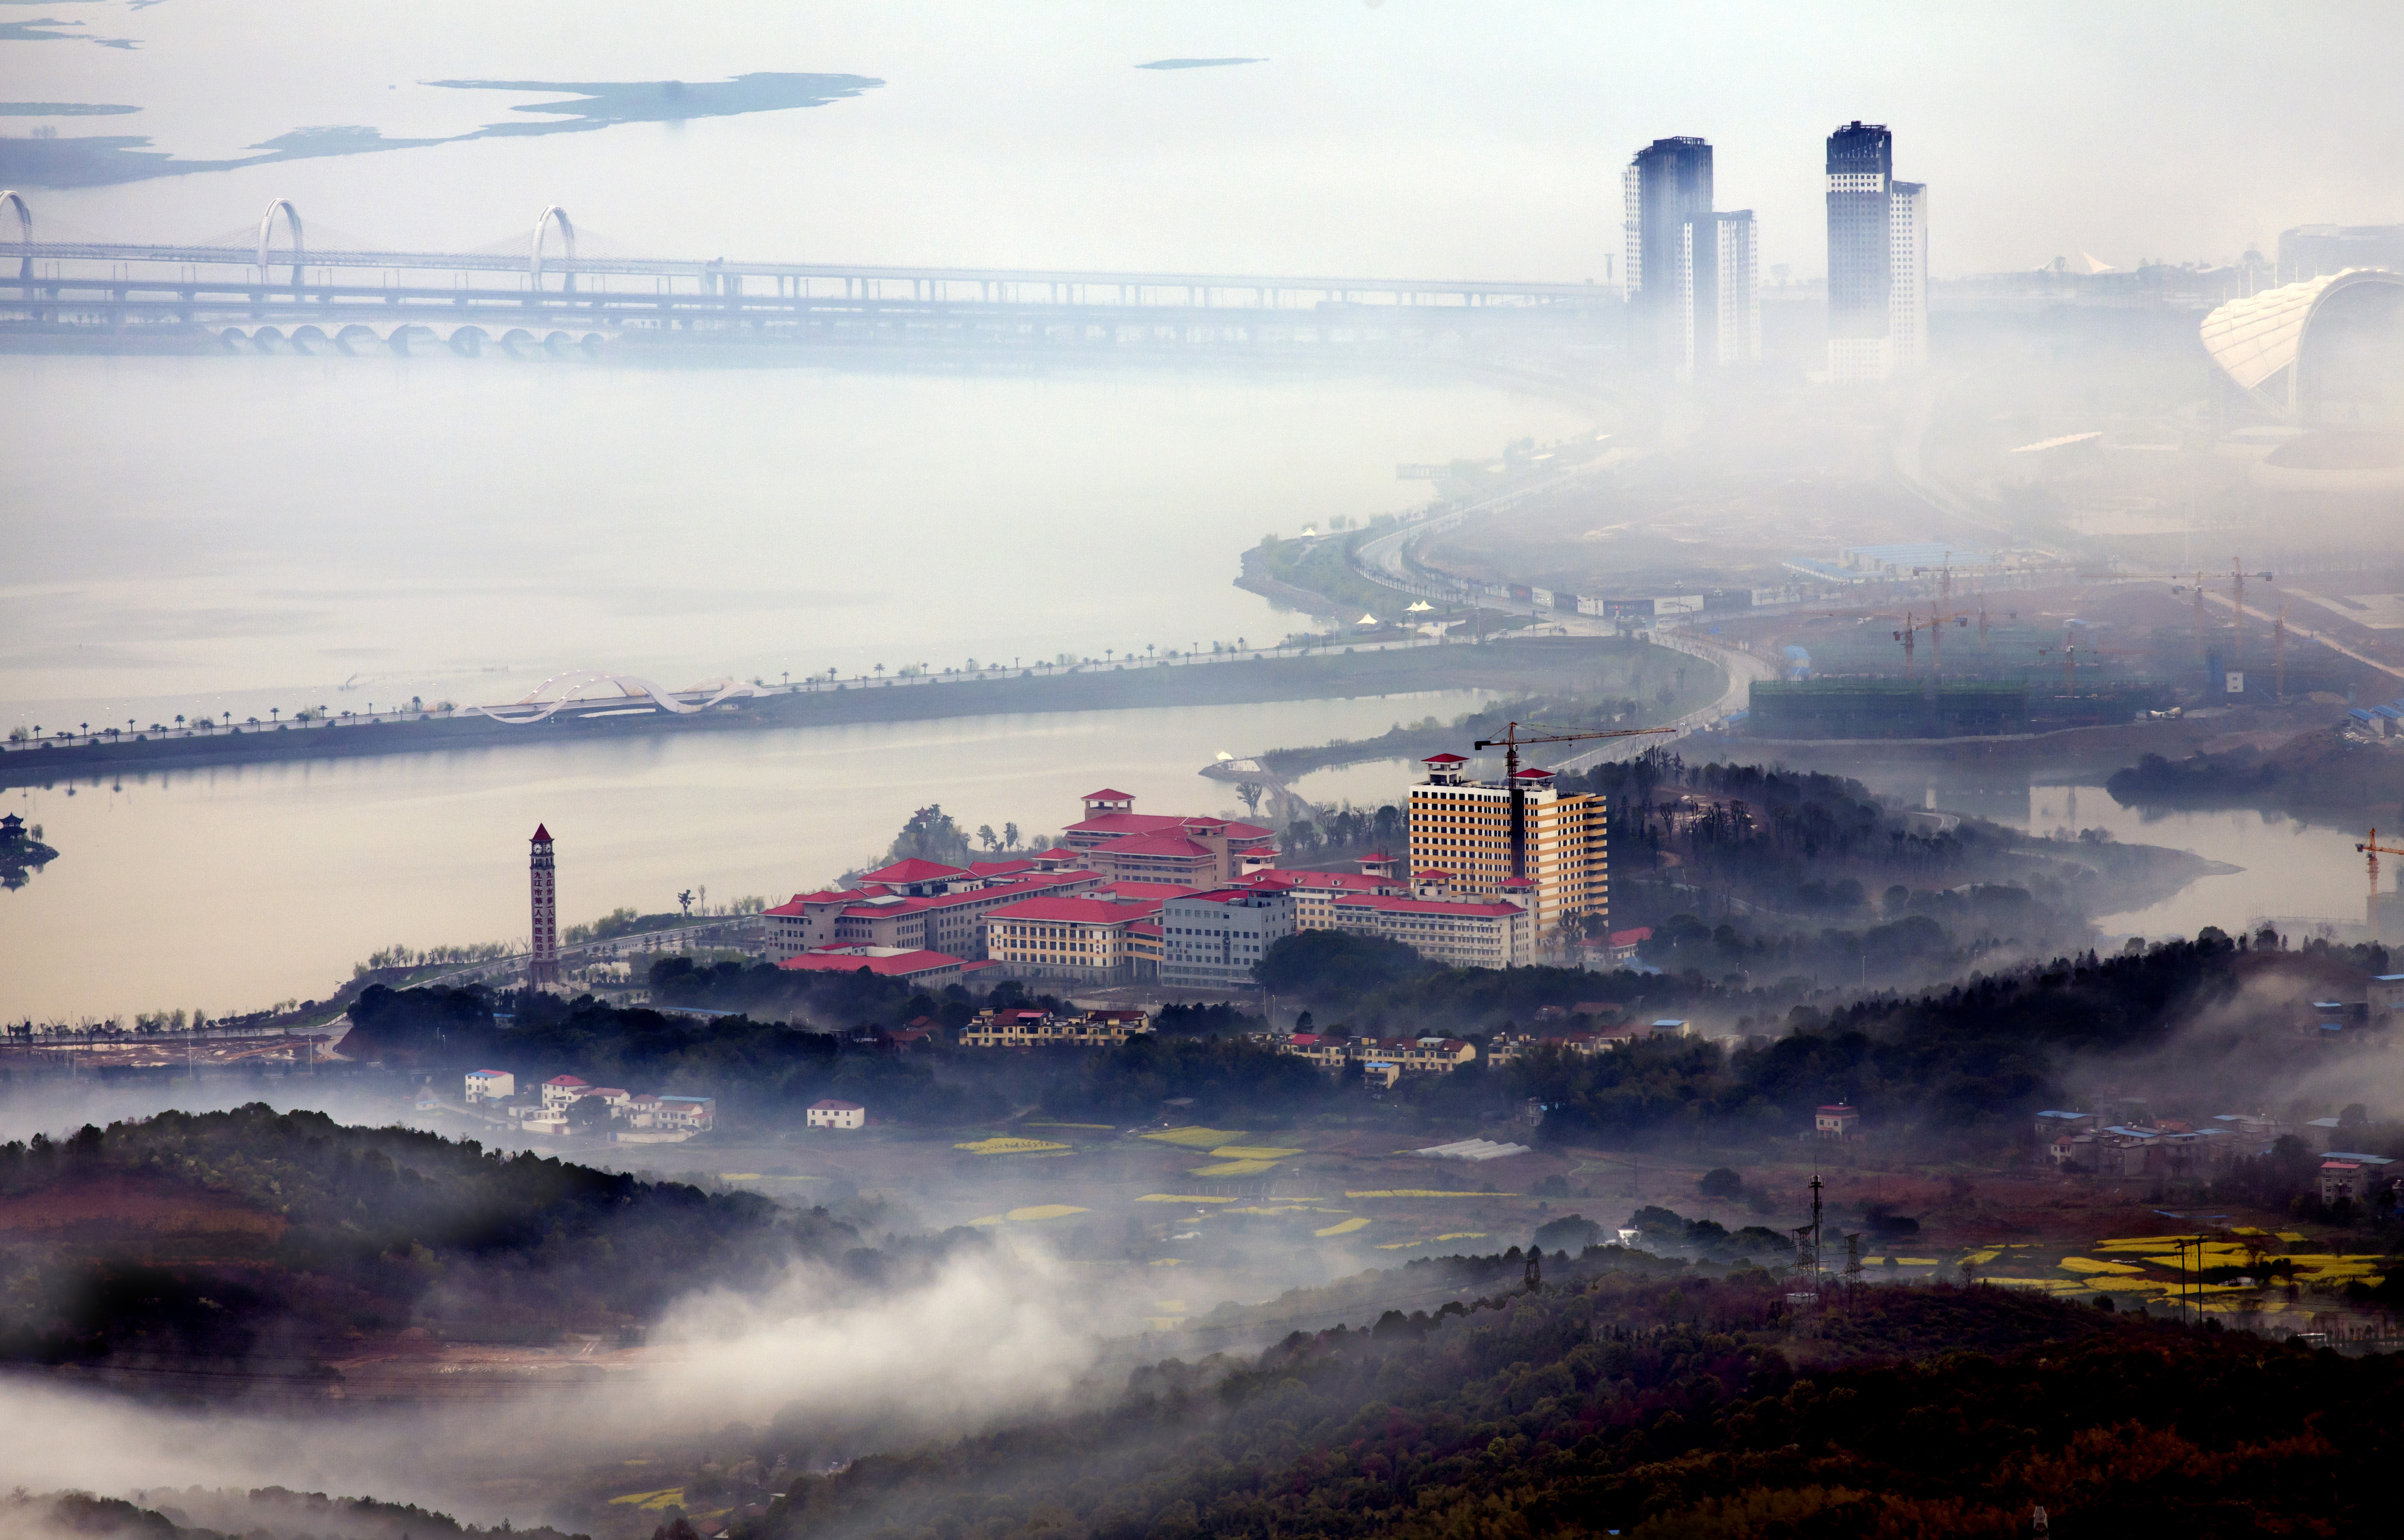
1679	1409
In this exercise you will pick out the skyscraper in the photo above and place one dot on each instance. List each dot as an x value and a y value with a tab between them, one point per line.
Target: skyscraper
1861	163
1667	185
1878	259
1719	293
1906	329
542	965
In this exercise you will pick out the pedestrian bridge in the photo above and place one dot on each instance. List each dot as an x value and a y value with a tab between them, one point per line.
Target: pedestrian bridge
467	339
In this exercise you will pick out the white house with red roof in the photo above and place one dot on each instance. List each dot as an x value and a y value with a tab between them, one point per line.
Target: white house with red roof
491	1086
1316	893
559	1090
834	1112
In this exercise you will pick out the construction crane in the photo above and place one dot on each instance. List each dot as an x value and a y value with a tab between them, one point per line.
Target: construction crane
2372	849
2279	656
1511	743
2070	651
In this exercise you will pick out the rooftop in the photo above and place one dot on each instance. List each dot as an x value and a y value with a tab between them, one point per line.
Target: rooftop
892	964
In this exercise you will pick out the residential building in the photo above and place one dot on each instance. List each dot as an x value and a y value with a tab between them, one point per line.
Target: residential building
1212	940
2054	1124
1878	259
1038	1028
1462	830
1835	1122
1459	933
1668	187
830	1112
2341	1181
491	1086
698	1113
910	964
1195	852
1403	1056
938	909
1087	940
1718	294
559	1090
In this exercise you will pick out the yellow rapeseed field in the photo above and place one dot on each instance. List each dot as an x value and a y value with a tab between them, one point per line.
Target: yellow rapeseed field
1004	1144
1198	1139
1424	1192
1344	1227
1034	1211
1234	1167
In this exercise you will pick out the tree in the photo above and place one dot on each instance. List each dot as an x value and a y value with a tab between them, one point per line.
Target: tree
930	835
986	837
1249	793
1009	837
588	1115
1720	1181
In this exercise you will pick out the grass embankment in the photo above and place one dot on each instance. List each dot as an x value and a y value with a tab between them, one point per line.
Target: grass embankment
1535	663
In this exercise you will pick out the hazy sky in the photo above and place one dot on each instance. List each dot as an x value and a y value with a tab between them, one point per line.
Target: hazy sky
1403	137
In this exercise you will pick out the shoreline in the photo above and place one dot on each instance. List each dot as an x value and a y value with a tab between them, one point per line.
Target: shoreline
1532	664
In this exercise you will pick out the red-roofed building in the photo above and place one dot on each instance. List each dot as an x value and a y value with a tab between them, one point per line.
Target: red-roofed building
1082	940
1029	1029
1110	820
559	1090
918	878
833	1112
1315	893
916	966
1460	933
951	922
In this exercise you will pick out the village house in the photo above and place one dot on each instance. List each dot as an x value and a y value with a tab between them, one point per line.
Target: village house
831	1113
559	1090
2342	1181
1401	1055
490	1086
1835	1122
1038	1028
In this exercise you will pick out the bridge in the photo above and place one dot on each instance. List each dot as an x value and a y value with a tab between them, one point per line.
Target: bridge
279	293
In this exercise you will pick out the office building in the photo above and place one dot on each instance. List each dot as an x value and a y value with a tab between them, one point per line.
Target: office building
1877	259
1529	843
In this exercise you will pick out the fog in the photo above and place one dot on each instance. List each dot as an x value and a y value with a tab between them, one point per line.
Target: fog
984	1338
1393	137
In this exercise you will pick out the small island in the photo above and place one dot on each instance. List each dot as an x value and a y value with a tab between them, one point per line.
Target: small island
21	851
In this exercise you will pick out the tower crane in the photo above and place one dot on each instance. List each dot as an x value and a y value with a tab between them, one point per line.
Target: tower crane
2372	849
2070	651
1511	743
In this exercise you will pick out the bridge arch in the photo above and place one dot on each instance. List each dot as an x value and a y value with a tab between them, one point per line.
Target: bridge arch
267	232
15	200
553	214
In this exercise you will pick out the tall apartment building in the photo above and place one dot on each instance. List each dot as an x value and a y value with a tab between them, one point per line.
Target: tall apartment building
1666	186
1907	312
1556	864
1719	293
1878	259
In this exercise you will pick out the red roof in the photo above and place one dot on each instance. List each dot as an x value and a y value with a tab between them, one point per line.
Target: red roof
832	1104
1145	891
1157	823
1105	795
1429	875
1156	845
541	834
1445	759
1536	775
900	965
563	1080
1079	911
1849	1111
999	868
1630	938
914	870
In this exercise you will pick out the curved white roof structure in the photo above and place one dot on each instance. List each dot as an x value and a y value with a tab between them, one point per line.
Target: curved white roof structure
2254	338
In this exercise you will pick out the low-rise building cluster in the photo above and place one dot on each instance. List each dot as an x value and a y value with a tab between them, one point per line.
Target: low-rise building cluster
635	1116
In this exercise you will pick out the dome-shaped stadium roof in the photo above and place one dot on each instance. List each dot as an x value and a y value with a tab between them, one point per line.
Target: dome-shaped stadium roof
2253	339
